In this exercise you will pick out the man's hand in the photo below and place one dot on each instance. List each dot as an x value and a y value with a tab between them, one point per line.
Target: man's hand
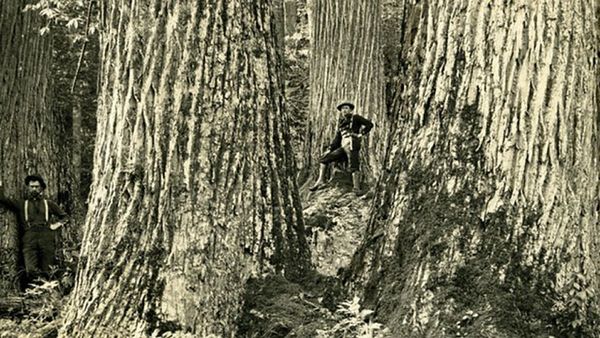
56	225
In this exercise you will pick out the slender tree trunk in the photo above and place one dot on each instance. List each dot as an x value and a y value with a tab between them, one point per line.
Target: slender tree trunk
345	65
279	21
30	132
297	70
393	31
193	188
291	15
484	223
77	138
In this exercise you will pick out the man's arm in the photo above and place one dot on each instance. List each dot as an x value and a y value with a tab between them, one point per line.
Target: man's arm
57	211
6	202
367	124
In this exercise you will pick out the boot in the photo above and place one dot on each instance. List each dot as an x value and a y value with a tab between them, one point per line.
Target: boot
321	180
356	183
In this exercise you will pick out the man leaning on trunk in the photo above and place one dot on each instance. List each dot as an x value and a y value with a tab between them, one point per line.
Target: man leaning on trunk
35	216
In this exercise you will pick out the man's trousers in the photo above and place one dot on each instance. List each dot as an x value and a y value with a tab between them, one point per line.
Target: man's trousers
39	246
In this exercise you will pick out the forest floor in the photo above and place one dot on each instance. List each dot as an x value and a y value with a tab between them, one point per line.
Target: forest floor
35	314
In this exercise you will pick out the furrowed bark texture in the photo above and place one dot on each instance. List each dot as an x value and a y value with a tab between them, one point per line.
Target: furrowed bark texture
492	175
345	66
30	132
193	188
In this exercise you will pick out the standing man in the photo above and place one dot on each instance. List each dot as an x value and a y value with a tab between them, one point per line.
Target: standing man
34	216
346	144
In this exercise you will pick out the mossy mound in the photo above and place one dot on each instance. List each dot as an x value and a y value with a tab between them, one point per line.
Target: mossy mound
335	221
275	307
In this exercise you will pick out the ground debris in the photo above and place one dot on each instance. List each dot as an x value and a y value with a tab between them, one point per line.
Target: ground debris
275	307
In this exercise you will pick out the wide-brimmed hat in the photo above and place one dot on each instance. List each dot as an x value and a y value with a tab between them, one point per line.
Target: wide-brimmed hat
35	178
345	103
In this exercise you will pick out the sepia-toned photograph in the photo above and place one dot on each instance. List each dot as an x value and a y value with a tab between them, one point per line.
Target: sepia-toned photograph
299	168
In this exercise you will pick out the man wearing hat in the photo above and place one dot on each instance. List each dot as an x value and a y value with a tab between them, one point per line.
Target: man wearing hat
346	145
34	216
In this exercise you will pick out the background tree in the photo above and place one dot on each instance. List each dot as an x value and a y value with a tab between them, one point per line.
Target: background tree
193	187
489	206
297	30
75	75
30	140
345	65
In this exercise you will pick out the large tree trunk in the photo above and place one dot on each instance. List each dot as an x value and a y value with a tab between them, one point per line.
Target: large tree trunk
30	135
345	65
193	187
490	203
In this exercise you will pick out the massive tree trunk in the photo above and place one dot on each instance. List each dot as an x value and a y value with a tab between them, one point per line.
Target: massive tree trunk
30	134
485	222
193	187
345	65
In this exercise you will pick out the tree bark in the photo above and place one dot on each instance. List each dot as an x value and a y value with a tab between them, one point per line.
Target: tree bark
484	221
31	133
346	64
193	189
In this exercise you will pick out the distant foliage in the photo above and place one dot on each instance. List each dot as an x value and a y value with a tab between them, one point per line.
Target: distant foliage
73	14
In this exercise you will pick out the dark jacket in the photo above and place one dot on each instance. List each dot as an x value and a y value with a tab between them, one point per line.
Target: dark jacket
351	123
36	210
